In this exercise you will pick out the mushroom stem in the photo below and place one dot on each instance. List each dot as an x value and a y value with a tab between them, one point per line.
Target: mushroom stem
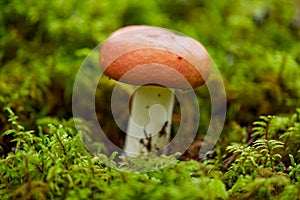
150	120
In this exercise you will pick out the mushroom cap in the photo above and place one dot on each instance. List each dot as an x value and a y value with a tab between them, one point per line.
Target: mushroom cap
147	55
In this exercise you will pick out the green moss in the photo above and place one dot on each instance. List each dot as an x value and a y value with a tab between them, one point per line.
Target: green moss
53	163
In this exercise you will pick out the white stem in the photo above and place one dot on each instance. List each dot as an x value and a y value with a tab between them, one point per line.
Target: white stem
150	121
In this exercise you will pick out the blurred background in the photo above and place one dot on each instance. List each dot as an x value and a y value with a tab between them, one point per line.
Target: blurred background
255	45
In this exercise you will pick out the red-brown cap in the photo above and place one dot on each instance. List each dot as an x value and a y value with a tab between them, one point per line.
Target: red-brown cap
155	56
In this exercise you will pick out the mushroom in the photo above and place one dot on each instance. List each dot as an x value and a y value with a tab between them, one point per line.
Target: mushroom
158	61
